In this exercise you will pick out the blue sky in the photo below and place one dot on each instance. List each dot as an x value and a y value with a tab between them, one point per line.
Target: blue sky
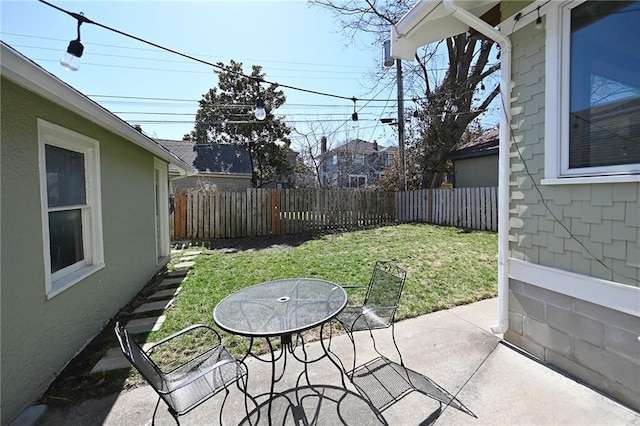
295	44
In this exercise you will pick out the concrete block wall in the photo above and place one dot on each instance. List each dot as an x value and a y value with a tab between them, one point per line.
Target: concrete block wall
597	345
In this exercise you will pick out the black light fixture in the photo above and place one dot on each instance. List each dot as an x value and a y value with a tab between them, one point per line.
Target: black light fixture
260	112
354	116
454	106
415	118
71	59
539	20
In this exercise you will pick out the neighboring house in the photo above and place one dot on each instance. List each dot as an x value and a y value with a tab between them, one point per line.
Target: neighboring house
569	226
355	164
475	165
223	167
84	223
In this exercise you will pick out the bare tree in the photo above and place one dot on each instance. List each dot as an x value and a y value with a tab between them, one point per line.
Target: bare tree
449	94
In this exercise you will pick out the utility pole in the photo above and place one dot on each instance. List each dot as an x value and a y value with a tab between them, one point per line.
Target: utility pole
403	176
388	61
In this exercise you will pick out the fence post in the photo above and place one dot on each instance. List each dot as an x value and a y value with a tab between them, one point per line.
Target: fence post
275	212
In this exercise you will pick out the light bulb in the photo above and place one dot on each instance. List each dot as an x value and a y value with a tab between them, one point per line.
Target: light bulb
260	112
539	23
414	118
71	59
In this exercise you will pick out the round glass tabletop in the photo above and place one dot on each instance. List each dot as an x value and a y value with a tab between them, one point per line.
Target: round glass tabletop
281	307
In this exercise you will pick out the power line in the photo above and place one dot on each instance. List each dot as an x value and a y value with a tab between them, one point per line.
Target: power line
52	49
183	71
83	19
205	55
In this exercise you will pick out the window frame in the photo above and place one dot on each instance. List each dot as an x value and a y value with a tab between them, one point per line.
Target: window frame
358	177
92	238
557	72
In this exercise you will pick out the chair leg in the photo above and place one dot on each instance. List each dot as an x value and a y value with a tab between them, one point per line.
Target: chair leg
353	343
245	391
226	394
395	343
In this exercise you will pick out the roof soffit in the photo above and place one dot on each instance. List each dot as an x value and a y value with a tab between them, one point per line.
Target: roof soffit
428	21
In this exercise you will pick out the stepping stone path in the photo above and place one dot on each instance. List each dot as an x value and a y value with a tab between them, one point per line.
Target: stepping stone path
159	301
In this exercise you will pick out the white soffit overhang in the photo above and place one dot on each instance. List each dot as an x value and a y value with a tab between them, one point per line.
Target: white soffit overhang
26	73
429	21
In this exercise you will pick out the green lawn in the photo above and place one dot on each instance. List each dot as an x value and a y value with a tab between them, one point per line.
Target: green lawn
446	267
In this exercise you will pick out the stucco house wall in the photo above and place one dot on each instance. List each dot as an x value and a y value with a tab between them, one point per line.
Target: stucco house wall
42	332
555	310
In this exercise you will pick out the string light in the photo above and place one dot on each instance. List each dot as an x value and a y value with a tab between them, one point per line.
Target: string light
354	116
538	20
260	112
71	59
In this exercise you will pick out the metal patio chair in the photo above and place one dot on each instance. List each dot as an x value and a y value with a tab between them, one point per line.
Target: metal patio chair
379	306
193	382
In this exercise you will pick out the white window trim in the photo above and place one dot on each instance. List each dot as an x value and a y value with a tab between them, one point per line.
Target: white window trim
557	108
357	176
52	134
163	204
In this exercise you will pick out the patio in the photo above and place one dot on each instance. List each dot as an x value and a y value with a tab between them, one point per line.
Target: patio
454	349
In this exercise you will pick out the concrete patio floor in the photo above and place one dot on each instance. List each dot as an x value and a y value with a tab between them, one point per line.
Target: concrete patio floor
454	349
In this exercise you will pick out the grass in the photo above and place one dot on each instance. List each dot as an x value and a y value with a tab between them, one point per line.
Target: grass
445	267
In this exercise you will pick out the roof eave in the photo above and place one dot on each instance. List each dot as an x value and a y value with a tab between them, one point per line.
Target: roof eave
411	31
26	73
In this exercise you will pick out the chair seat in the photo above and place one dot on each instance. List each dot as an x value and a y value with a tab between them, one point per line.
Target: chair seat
183	397
364	318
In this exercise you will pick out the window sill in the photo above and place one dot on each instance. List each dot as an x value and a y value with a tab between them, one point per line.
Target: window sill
64	283
591	180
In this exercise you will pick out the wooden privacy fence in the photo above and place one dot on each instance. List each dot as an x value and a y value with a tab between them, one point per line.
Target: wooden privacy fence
207	214
473	208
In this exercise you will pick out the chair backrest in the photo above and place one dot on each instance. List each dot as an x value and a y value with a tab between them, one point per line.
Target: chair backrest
385	289
140	360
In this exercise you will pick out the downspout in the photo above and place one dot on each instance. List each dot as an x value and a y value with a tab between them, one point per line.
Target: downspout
478	24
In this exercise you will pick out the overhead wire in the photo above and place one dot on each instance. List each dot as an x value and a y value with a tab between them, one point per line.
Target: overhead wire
83	19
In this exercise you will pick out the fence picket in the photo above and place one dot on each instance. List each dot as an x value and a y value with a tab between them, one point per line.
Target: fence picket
199	214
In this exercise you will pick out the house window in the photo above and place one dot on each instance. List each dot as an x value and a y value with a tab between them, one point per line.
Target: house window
358	158
598	111
357	181
70	194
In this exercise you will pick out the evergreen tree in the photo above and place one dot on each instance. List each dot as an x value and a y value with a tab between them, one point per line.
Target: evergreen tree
226	116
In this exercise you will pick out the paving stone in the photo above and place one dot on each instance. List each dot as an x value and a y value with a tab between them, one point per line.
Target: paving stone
177	273
145	325
163	294
170	281
113	359
154	306
192	253
188	258
185	265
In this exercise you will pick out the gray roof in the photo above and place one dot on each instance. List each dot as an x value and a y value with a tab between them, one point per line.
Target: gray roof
211	158
487	144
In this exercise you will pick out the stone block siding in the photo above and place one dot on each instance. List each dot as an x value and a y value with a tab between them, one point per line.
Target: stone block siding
597	345
603	219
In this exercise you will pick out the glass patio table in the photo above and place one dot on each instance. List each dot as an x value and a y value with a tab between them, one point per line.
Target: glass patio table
281	309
